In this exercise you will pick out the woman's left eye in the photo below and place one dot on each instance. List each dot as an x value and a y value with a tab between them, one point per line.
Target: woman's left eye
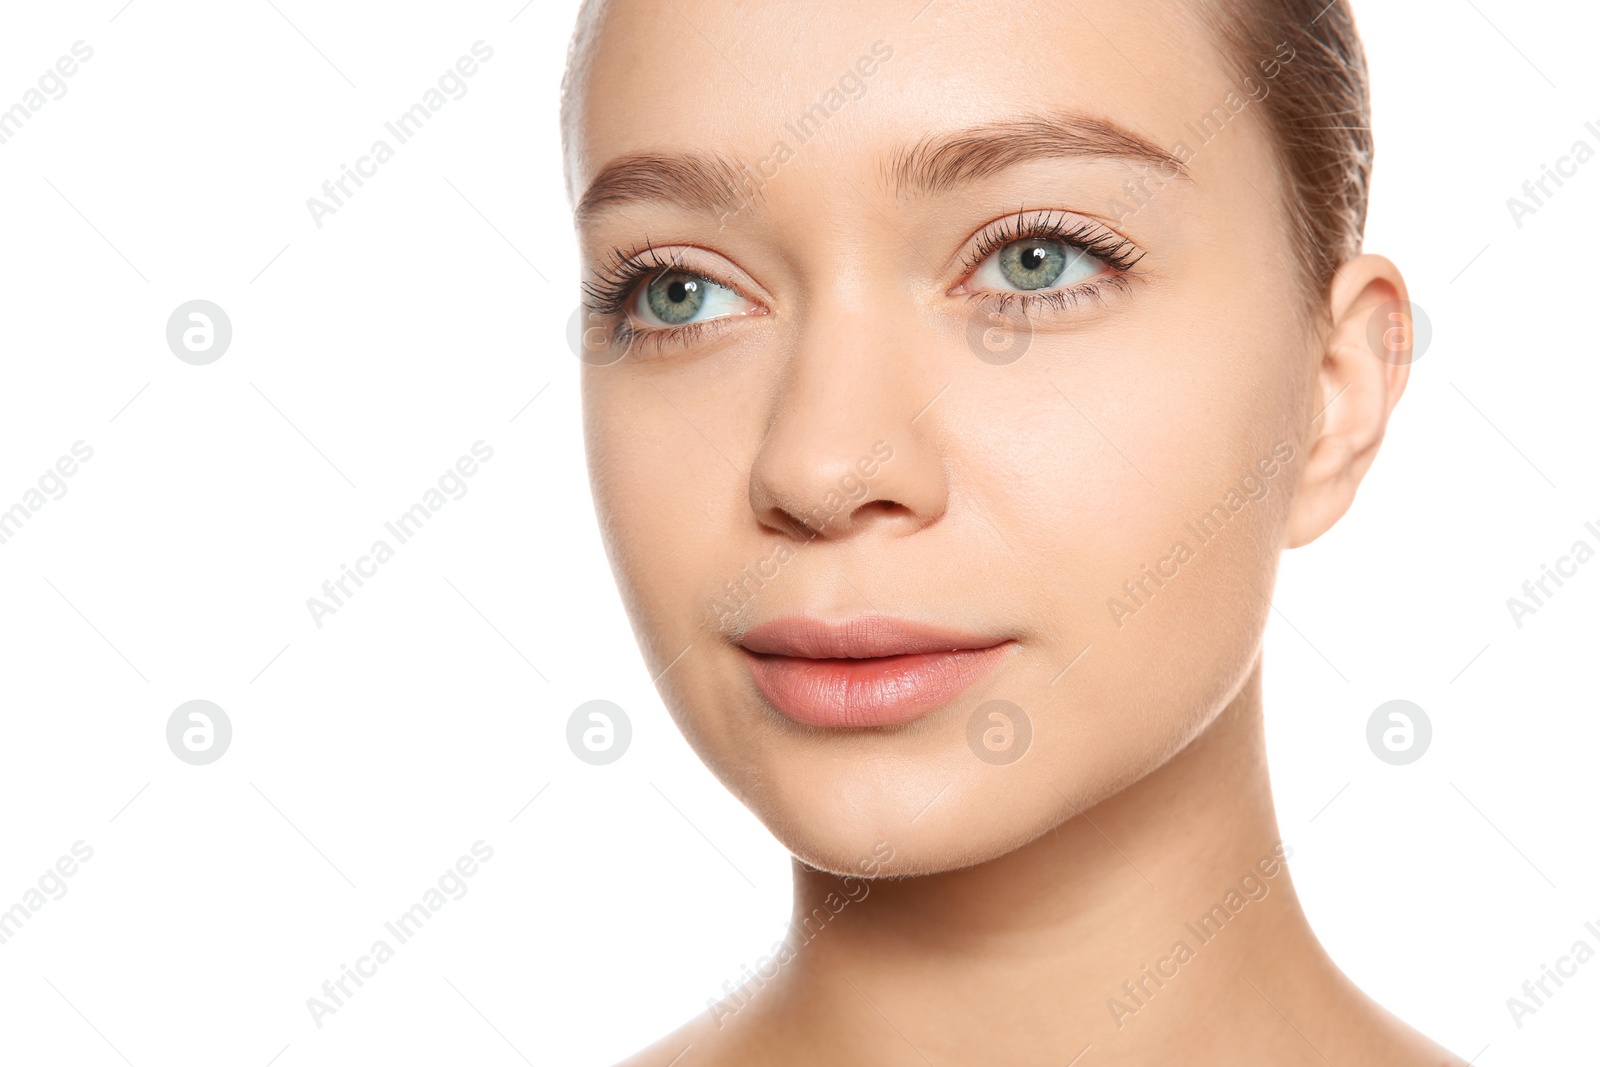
678	298
1035	263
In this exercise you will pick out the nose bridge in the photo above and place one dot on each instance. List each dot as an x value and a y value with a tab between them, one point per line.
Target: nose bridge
844	449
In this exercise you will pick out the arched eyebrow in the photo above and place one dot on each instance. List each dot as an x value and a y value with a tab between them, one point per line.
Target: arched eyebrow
704	181
715	183
945	161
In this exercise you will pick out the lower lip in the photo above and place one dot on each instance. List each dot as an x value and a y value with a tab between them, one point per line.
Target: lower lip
885	691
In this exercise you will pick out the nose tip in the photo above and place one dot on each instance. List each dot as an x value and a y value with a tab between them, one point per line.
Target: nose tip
810	489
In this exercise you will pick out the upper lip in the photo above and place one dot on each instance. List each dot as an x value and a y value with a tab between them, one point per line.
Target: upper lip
863	637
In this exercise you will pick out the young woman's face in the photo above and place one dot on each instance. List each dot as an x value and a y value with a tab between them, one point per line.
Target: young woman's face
928	356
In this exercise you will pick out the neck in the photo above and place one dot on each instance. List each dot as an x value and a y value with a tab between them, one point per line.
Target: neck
1137	927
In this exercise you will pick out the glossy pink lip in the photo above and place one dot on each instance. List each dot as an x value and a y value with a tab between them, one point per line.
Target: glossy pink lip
869	671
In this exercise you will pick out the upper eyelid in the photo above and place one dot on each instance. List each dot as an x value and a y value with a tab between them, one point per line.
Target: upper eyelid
1041	220
641	264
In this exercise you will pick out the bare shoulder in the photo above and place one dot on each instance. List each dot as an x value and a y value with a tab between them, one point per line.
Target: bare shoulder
1389	1041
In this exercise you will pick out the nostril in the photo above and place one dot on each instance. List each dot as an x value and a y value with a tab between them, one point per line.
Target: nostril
881	507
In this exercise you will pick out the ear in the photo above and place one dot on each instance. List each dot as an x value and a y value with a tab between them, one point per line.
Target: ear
1366	362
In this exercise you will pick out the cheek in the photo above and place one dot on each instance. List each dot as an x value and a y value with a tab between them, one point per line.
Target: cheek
669	504
1123	486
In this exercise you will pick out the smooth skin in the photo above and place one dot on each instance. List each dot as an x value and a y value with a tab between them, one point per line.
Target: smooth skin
1020	497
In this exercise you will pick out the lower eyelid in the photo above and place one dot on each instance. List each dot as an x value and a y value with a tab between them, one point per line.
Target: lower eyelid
1059	298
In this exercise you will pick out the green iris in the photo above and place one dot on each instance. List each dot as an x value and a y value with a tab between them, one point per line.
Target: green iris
1034	263
676	298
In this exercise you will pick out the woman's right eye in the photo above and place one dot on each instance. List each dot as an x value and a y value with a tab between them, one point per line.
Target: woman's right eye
678	298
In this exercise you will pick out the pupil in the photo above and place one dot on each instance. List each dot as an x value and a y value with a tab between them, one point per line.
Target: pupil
1033	258
678	292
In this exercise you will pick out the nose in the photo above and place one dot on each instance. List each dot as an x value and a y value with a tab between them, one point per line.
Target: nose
850	444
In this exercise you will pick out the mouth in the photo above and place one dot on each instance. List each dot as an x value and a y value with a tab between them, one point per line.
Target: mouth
864	672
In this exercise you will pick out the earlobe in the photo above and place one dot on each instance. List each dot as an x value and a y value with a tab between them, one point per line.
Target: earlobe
1366	361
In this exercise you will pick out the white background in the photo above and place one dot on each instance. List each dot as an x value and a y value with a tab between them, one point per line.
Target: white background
425	315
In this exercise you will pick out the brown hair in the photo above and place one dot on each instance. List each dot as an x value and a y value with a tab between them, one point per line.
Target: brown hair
1318	116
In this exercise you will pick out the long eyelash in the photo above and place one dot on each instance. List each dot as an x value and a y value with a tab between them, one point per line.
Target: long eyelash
621	274
1108	246
619	277
627	335
1058	299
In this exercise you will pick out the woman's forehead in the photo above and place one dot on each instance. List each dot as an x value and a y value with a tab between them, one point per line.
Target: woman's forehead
830	80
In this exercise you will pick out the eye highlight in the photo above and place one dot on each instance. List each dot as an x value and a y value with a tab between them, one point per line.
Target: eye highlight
674	298
660	299
1046	257
1036	263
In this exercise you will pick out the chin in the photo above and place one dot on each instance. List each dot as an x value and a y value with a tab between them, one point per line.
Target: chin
912	801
